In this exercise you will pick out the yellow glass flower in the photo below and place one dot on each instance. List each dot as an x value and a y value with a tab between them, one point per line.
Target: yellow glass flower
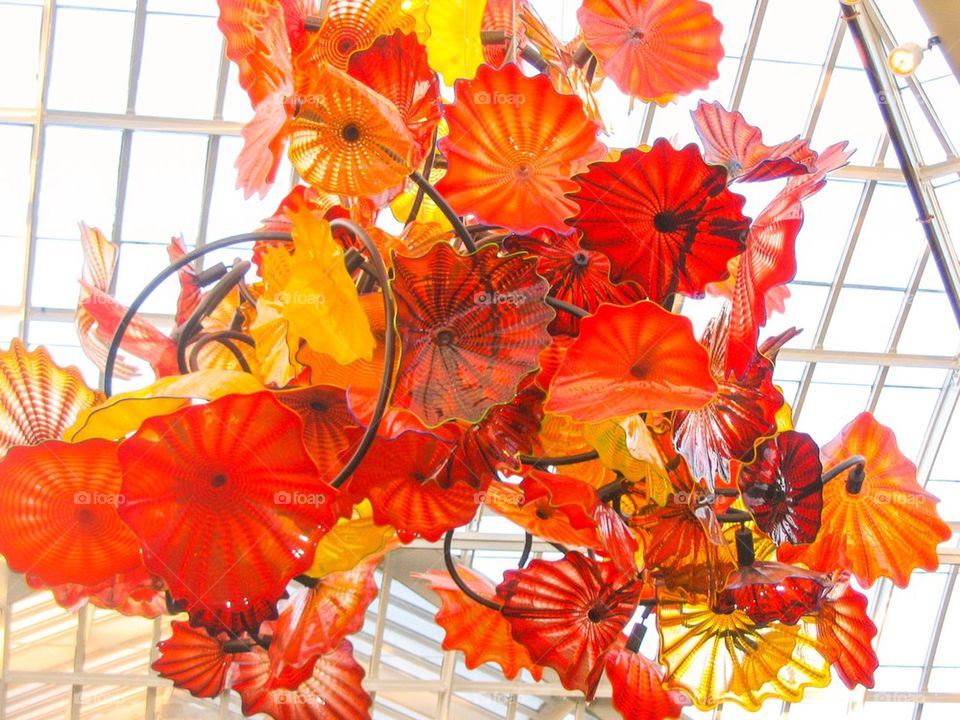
319	300
454	48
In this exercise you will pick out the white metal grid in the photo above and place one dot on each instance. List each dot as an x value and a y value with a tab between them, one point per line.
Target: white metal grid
93	664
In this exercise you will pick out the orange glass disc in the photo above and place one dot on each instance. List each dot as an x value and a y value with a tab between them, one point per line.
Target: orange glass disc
514	145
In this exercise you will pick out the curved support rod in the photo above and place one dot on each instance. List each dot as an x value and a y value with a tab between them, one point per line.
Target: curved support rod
541	462
427	171
163	275
458	227
225	338
527	547
855	464
563	306
389	351
464	588
735	516
209	303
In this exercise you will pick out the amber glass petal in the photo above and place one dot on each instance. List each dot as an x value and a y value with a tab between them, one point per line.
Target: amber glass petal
227	504
326	423
470	328
628	360
845	632
730	141
664	218
123	413
408	481
513	147
333	692
725	657
351	541
637	683
481	633
317	619
38	398
887	529
744	412
782	488
58	513
654	49
568	613
577	276
348	140
626	447
396	67
193	660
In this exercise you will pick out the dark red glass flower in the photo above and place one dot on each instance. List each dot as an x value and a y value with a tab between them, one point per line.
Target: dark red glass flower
772	592
470	328
664	218
227	504
577	276
568	613
782	488
506	432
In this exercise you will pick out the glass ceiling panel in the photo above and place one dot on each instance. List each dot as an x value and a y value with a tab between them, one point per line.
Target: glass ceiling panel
91	60
163	178
19	39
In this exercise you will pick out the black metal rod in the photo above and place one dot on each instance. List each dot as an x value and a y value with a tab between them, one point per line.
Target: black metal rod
186	259
840	468
214	297
464	588
389	351
427	171
527	547
563	306
540	462
947	269
458	227
225	338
